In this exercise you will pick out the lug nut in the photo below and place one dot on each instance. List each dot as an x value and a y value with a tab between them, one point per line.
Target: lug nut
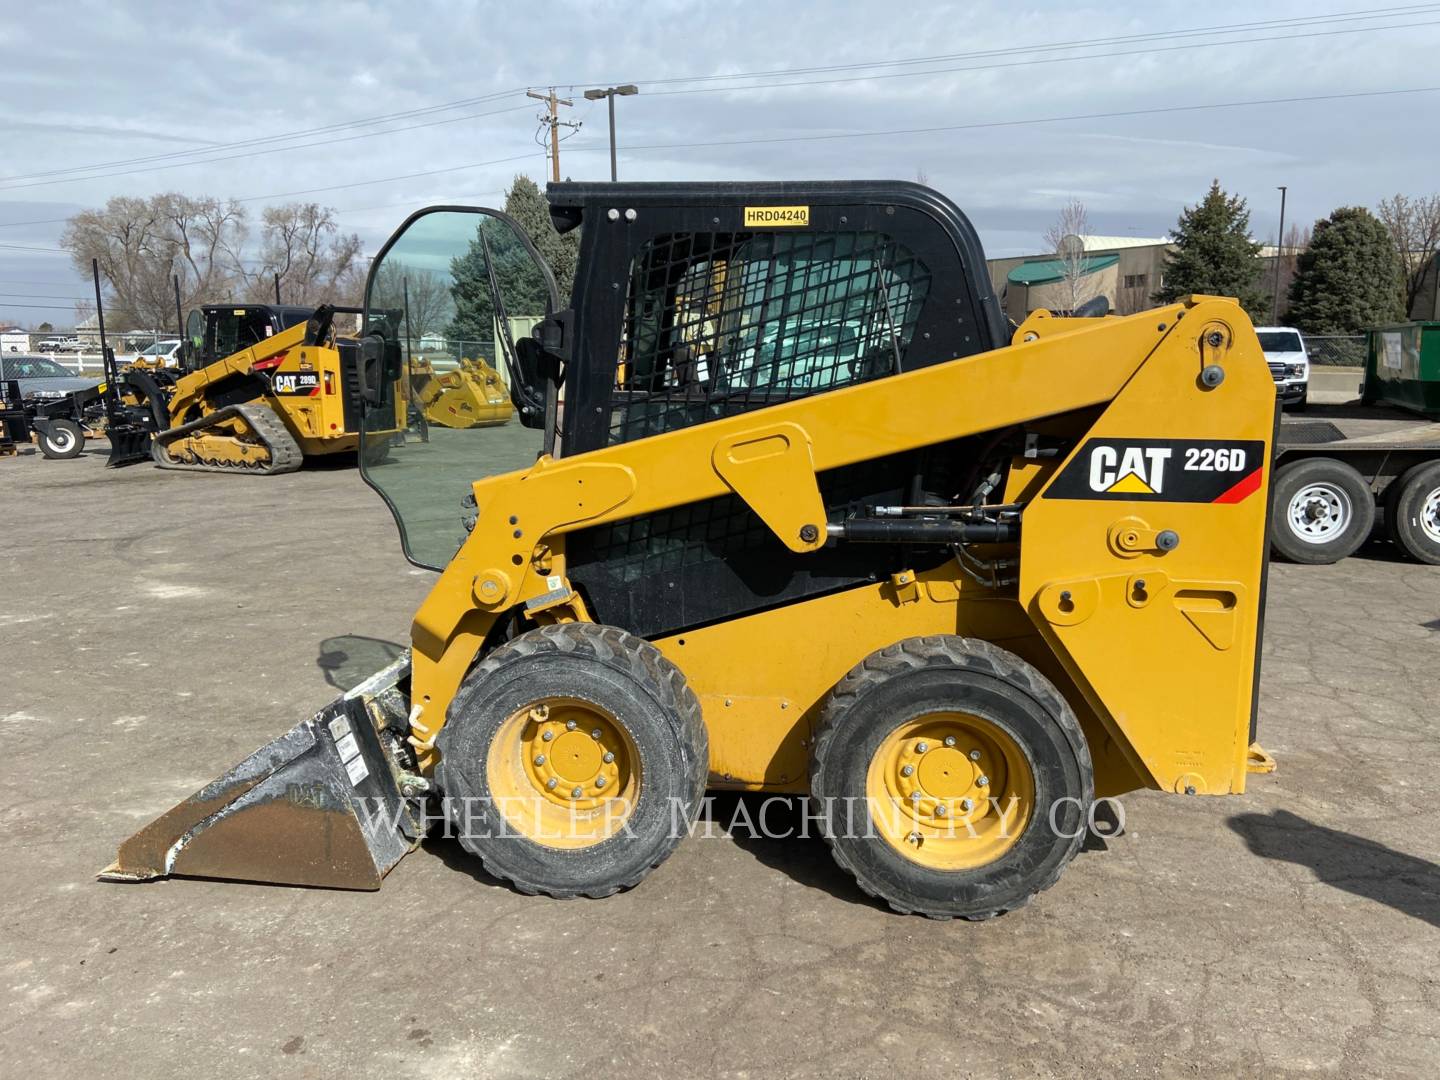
550	784
921	747
983	781
907	770
600	781
539	759
547	735
569	725
575	793
940	810
974	755
949	740
966	805
609	757
595	733
914	796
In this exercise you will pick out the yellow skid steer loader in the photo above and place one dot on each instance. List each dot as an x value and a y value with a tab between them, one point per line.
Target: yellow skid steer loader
784	508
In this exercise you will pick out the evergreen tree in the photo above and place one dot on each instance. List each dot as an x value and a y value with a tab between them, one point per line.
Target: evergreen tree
526	203
1214	254
522	287
1350	276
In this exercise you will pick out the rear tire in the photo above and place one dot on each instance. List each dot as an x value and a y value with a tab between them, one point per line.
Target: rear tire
374	450
510	757
932	840
1412	512
61	439
1323	511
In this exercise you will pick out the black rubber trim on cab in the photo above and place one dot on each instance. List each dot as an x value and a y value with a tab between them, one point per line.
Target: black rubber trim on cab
939	673
644	692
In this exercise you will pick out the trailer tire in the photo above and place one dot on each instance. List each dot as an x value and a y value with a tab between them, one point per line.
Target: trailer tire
1412	512
61	439
918	750
1323	511
532	728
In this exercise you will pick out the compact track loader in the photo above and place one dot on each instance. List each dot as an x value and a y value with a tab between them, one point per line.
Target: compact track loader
269	386
785	508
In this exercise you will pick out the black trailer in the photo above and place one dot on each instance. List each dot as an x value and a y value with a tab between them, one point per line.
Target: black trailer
1338	467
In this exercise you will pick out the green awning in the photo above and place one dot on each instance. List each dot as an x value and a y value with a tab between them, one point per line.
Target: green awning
1049	271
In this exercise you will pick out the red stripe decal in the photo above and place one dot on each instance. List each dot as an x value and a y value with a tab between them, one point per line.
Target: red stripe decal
315	390
1243	489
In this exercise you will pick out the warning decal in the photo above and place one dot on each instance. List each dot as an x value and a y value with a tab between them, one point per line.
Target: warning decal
1163	470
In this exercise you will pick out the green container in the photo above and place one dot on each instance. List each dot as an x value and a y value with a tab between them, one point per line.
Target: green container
1402	367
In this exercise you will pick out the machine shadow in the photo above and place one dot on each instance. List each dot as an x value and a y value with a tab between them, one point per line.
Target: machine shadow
349	659
777	831
1344	861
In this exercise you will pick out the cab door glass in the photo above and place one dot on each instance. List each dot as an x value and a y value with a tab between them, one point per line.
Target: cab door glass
449	309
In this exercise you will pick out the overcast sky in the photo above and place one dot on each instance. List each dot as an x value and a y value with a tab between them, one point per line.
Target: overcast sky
91	84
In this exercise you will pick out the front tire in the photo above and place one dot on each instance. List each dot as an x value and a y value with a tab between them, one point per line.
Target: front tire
952	778
1323	511
1412	512
61	439
574	759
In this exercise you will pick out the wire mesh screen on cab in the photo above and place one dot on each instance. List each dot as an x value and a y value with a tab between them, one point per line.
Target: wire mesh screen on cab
721	323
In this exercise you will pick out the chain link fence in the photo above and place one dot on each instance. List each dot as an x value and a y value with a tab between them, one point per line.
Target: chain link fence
1336	350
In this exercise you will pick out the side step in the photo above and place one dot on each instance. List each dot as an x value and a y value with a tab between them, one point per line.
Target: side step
320	806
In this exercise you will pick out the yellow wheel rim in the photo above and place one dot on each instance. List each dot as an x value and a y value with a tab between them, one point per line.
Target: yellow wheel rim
950	791
563	773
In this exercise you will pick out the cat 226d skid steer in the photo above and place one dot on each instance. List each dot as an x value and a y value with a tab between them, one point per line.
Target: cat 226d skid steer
786	508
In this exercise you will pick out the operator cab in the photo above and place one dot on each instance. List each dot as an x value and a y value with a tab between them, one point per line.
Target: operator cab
691	302
216	331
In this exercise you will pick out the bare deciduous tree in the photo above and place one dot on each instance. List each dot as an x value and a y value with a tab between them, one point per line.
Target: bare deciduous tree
423	294
1414	226
142	243
1066	239
302	245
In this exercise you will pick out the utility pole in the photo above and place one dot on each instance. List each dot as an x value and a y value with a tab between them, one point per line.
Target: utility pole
1279	258
553	119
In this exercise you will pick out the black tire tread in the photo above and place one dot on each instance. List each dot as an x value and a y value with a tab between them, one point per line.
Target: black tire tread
1282	541
945	650
1401	536
624	653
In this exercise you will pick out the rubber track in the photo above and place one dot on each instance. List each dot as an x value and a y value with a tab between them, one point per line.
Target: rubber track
630	656
947	651
285	453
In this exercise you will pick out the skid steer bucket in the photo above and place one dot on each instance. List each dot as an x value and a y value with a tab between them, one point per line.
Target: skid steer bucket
319	806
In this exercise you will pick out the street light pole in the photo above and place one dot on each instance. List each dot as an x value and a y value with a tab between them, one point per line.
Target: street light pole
609	95
1279	258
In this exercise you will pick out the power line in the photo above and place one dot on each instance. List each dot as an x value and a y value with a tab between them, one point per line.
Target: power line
1351	15
16	224
1021	123
39	296
256	153
1041	60
388	179
260	139
93	171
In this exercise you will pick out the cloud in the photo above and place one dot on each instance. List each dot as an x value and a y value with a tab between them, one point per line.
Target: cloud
141	82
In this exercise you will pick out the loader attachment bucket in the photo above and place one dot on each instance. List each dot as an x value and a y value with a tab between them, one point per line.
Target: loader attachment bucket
320	806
